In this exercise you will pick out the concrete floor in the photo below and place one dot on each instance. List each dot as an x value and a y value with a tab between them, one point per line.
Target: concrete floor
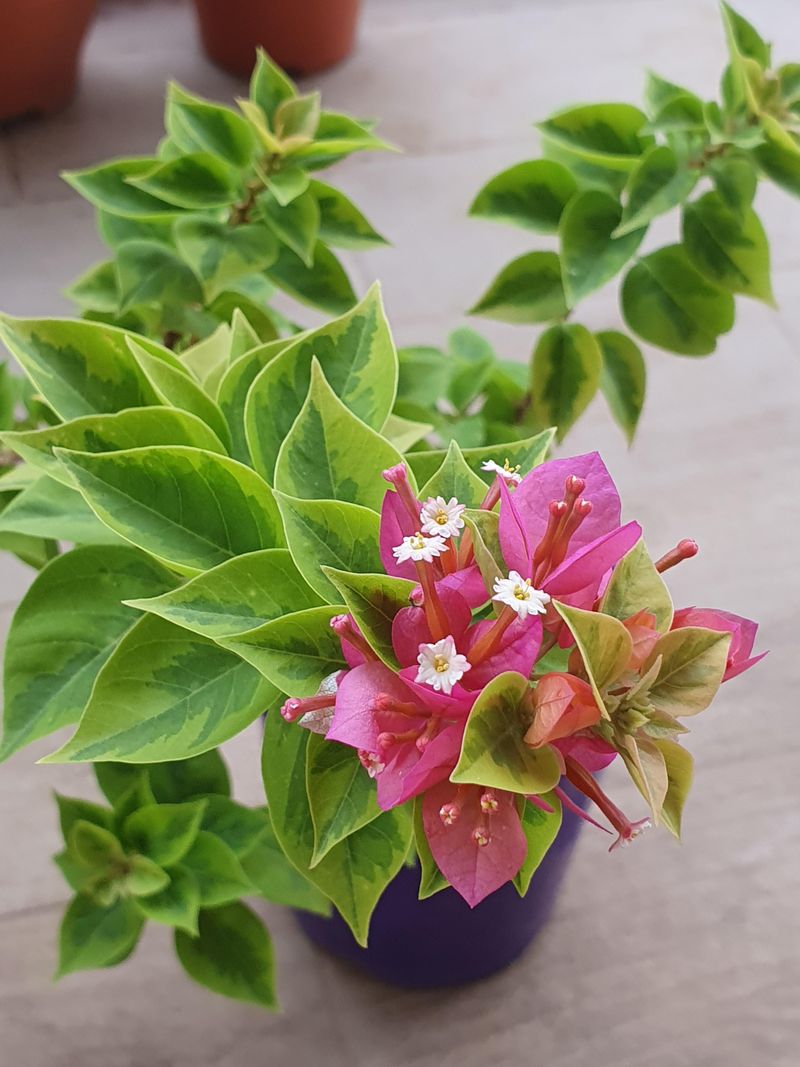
662	956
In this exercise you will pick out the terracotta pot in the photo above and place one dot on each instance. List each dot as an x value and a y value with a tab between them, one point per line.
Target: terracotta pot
40	43
303	36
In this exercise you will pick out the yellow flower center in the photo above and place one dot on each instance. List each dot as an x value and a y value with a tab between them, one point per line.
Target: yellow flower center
441	518
440	663
523	592
418	541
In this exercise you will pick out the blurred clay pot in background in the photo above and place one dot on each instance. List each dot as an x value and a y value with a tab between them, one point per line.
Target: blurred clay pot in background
302	36
40	44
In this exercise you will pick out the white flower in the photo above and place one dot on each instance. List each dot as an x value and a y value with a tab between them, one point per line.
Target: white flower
419	548
518	593
510	474
441	666
442	517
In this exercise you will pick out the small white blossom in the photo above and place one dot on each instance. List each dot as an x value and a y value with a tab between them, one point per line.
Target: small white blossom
442	517
419	548
510	474
441	666
517	592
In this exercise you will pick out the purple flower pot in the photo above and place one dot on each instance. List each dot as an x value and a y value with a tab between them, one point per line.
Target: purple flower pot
441	941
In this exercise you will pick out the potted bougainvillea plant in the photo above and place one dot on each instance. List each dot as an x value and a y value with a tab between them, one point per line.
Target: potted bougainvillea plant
448	646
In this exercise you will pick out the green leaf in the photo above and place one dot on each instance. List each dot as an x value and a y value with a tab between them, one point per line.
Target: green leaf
729	250
606	135
92	936
238	595
287	184
341	795
164	832
404	433
692	665
532	195
330	533
51	509
321	284
198	125
623	379
297	118
779	156
648	770
358	358
680	767
658	92
455	478
636	585
591	254
177	904
79	368
216	869
196	181
735	179
337	136
656	185
144	878
330	454
473	360
540	829
424	375
165	694
232	955
133	428
235	385
219	253
604	644
296	224
667	302
115	229
528	453
107	187
484	530
269	85
150	273
241	828
684	113
74	809
203	359
565	374
59	640
190	508
357	870
744	38
176	388
374	600
528	289
295	652
187	779
97	289
277	880
95	847
341	224
493	752
431	879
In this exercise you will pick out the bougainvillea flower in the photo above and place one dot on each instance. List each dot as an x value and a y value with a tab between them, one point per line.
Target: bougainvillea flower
644	634
475	836
743	635
563	704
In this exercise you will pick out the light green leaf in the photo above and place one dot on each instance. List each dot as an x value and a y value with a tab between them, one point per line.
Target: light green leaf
92	936
165	694
604	644
199	125
75	809
680	768
164	832
693	663
779	156
667	302
189	508
241	828
51	509
648	770
235	385
337	136
59	640
269	85
730	250
277	880
97	289
484	530
374	600
186	779
296	120
528	453
235	596
287	184
565	374
658	92
623	379
115	229
358	358
605	135
295	652
232	955
330	533
220	254
203	358
178	904
493	752
341	795
636	585
656	185
144	877
473	360
735	179
431	879
330	454
296	224
195	181
107	187
341	224
455	478
424	374
321	284
93	846
743	38
133	428
540	829
532	195
591	254
404	433
357	870
150	273
216	869
528	289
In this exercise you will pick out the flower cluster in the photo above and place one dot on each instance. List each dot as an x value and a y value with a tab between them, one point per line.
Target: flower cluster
538	644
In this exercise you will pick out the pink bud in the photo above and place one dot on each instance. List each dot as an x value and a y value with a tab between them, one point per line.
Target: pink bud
489	803
449	813
480	836
396	475
292	709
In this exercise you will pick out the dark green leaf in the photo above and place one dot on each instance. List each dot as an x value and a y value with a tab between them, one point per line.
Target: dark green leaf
590	253
531	194
623	379
565	374
529	289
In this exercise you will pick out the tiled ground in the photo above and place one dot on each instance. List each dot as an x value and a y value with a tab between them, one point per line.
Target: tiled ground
663	956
